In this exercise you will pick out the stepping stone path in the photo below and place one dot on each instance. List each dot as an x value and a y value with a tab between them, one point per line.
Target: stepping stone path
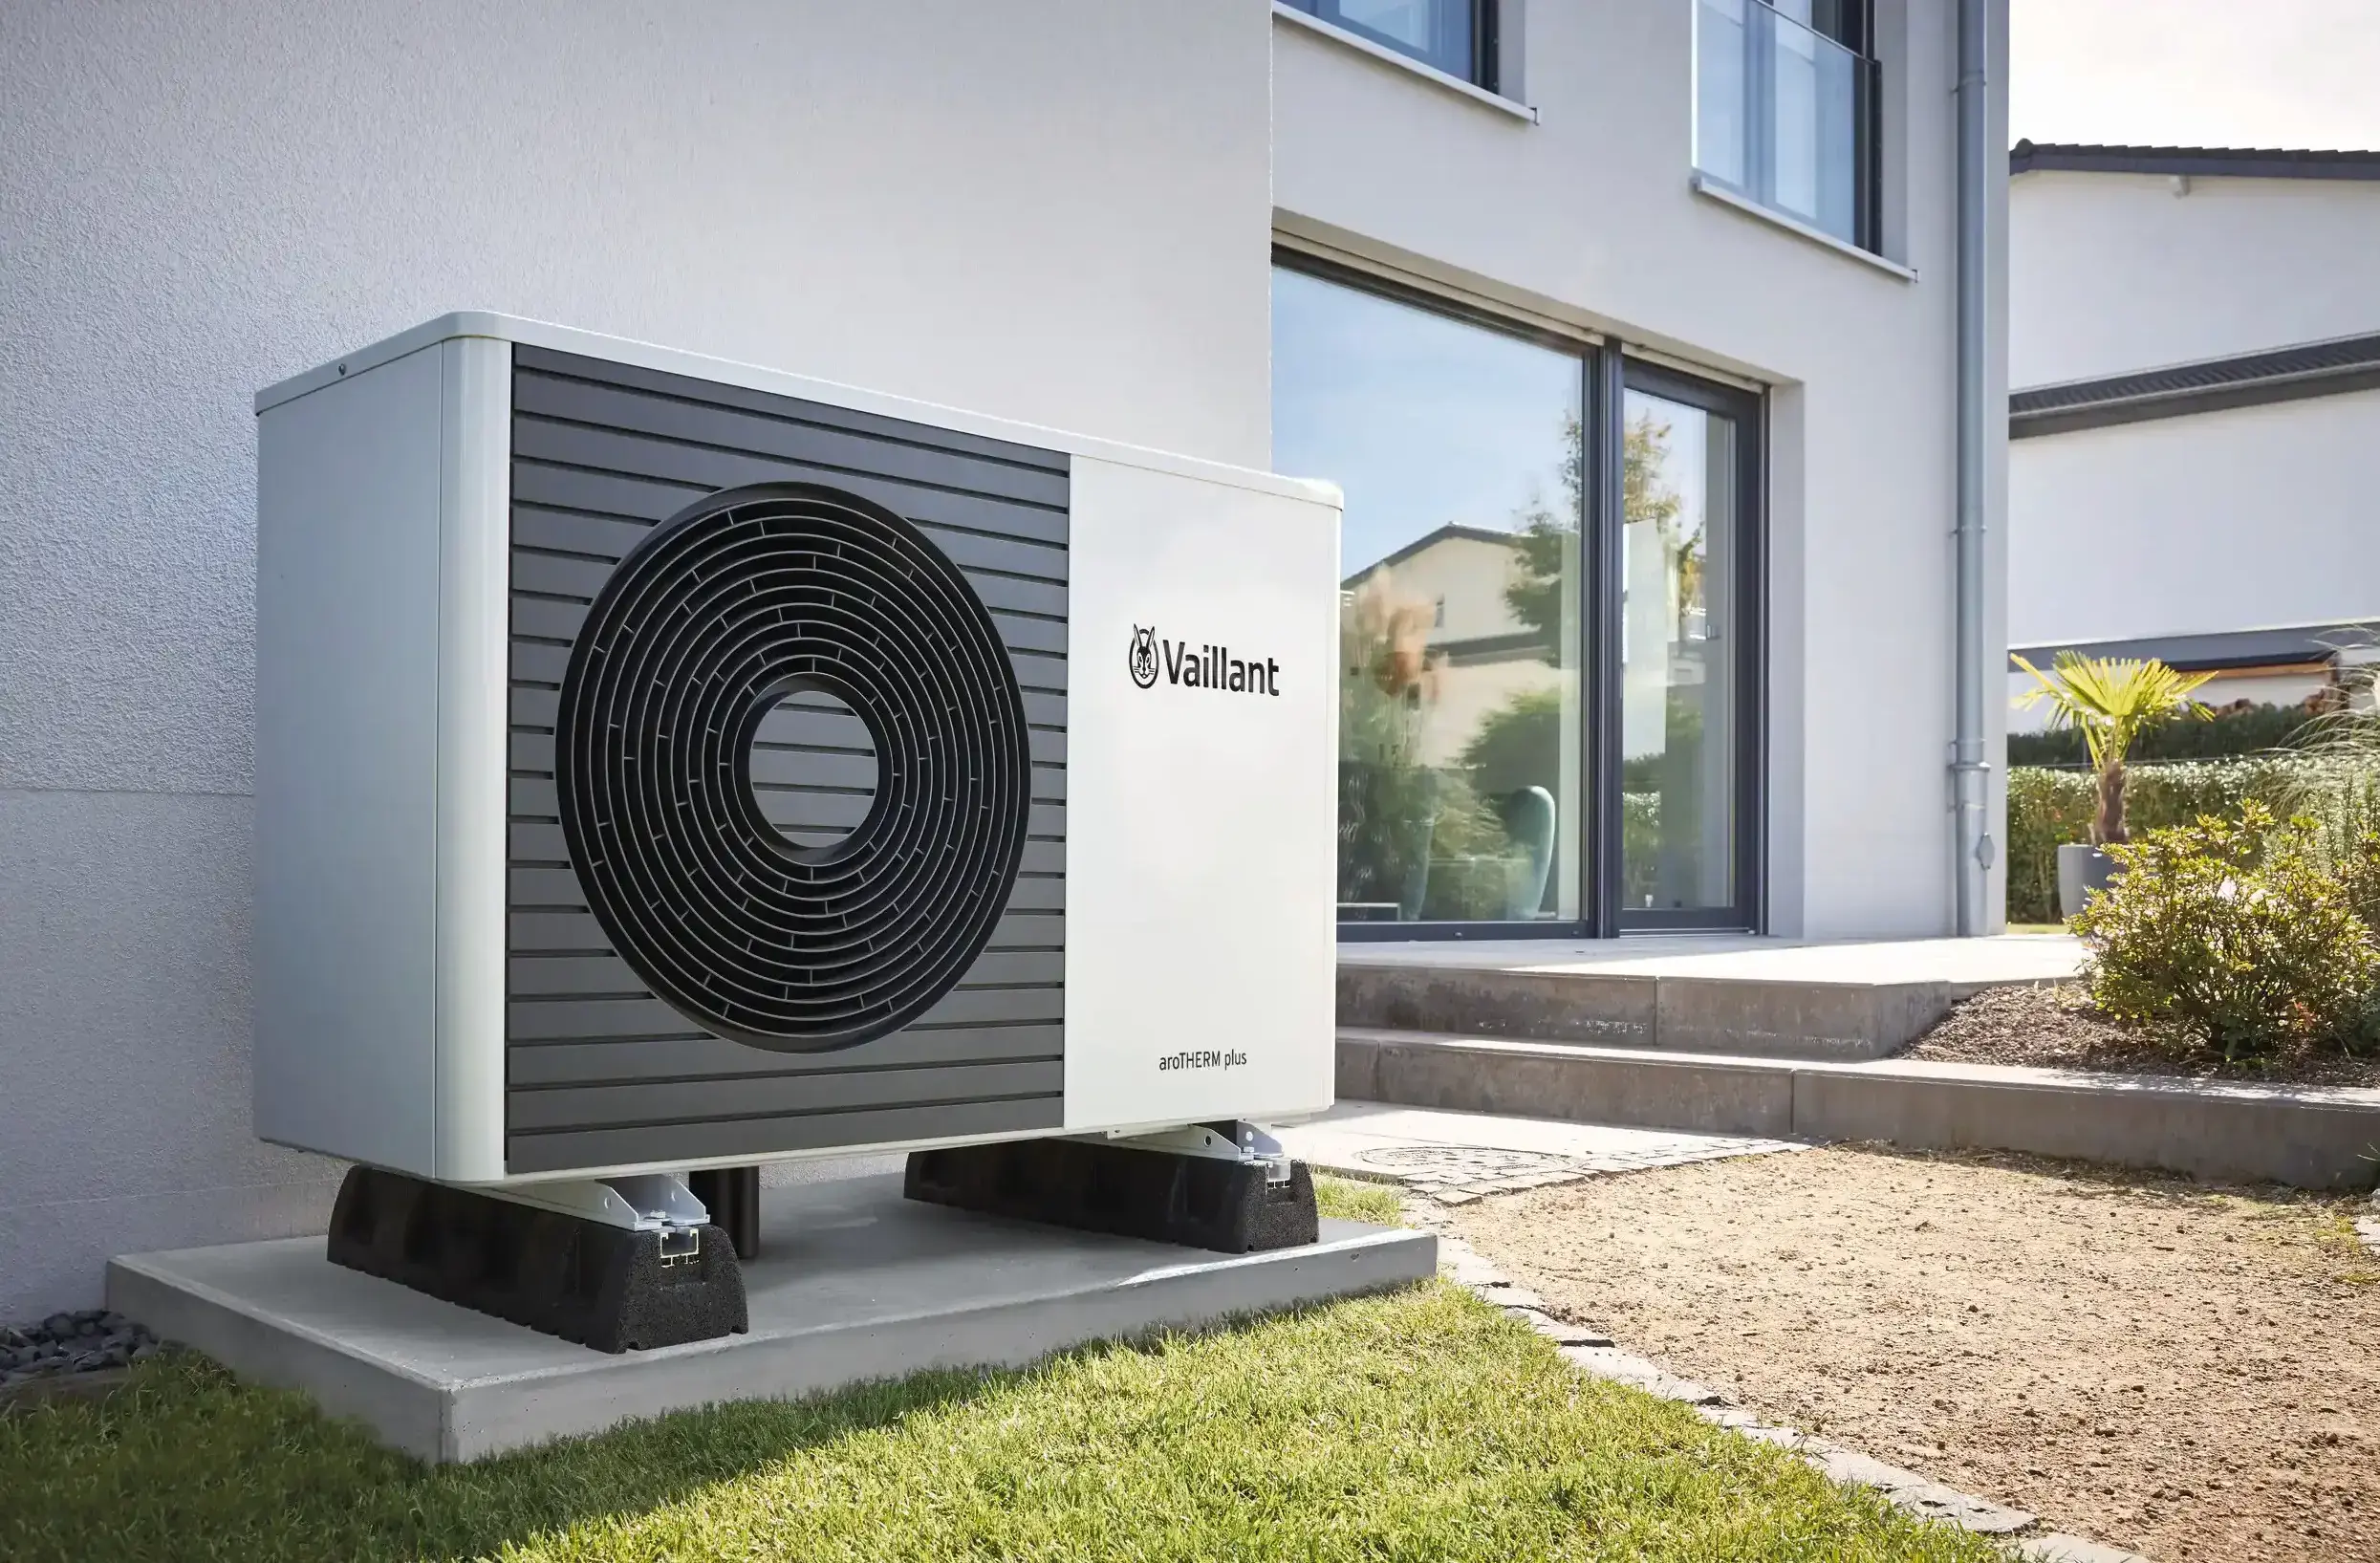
1456	1158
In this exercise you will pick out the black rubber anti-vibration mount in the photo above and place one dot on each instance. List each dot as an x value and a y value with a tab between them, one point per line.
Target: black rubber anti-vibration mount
732	1197
1200	1202
597	1285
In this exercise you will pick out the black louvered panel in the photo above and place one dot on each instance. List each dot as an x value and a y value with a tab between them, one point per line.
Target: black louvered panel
601	1071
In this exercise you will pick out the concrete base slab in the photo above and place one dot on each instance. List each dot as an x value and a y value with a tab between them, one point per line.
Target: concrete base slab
1734	994
853	1283
1456	1154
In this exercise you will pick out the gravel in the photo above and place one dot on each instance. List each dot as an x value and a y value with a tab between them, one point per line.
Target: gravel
2154	1363
2055	1026
87	1341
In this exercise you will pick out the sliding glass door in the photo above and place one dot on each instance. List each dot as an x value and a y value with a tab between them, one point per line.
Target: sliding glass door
1496	776
1686	809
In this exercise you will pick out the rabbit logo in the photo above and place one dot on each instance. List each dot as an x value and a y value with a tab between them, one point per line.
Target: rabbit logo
1143	660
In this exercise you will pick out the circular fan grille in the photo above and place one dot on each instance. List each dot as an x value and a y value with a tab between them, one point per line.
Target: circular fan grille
749	597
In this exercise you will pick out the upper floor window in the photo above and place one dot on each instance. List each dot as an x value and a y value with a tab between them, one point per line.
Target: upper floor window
1788	109
1456	36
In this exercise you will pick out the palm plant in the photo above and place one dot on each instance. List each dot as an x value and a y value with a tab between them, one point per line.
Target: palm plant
2110	700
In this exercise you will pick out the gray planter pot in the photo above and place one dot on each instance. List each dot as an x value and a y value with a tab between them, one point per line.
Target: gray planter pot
2081	869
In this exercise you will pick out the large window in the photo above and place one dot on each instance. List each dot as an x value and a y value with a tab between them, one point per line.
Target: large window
1457	36
1460	451
1788	109
1547	618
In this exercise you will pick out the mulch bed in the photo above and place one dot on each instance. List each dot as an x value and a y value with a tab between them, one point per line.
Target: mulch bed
2054	1026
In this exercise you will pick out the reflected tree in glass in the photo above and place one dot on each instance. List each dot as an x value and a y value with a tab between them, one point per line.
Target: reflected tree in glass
1677	690
1398	813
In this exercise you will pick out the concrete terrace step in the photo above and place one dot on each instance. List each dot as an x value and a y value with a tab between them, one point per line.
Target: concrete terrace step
2309	1137
1761	997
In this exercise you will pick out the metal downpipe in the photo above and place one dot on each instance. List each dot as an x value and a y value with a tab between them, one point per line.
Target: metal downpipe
1970	768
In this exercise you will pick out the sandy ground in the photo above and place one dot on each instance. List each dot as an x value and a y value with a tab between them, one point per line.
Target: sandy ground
2056	1026
2188	1371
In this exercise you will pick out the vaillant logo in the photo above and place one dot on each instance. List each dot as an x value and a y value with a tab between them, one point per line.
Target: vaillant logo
1199	667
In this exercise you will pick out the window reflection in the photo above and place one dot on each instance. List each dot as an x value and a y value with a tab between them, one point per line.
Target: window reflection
1443	32
1678	697
1460	450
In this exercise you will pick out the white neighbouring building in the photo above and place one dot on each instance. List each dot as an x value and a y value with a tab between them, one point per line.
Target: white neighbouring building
2194	340
1667	290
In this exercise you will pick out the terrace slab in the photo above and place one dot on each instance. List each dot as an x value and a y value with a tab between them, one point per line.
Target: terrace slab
853	1283
1735	994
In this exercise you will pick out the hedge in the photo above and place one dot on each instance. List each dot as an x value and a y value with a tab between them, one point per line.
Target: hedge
2231	731
2048	807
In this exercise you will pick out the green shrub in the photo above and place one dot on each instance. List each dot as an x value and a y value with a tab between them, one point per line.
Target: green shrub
2231	935
2049	807
2357	869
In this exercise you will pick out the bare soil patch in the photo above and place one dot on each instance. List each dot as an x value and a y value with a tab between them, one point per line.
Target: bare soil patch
2191	1371
2055	1026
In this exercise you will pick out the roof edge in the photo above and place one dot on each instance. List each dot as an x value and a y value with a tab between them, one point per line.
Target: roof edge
2030	157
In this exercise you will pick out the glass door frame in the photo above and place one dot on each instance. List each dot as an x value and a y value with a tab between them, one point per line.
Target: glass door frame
1608	374
1618	374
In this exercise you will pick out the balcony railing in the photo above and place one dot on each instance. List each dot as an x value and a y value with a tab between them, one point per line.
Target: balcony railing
1785	117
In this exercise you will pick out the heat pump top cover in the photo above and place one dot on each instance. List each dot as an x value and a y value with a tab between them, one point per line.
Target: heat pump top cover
666	763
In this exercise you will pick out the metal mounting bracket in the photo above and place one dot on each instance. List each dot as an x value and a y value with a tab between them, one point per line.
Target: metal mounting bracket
644	1201
1236	1140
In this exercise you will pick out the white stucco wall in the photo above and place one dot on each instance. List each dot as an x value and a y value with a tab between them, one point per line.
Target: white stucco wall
2253	518
1586	217
2110	273
1055	212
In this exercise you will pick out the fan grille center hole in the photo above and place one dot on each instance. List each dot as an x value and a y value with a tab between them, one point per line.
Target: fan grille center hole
813	768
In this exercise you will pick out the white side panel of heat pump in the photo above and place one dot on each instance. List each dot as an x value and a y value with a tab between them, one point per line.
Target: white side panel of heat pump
1201	940
474	735
347	594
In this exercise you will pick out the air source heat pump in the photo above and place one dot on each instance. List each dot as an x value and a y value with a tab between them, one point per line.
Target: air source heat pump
665	765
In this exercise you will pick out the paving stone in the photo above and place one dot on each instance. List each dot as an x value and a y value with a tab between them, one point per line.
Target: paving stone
1910	1491
1557	1332
1618	1366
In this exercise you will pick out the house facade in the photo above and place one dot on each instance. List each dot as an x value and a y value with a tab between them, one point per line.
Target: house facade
2194	347
1630	328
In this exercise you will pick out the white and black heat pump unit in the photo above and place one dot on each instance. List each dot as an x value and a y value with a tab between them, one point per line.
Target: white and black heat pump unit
666	766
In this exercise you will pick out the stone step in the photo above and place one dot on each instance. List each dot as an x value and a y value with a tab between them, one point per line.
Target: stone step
1764	1016
2305	1135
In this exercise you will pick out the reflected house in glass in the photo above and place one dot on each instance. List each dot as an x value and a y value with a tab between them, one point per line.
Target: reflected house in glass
1445	680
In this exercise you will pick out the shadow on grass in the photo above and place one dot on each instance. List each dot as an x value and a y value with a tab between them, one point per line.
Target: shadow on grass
187	1462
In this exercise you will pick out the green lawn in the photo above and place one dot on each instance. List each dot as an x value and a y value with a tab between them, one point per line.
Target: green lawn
1421	1425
